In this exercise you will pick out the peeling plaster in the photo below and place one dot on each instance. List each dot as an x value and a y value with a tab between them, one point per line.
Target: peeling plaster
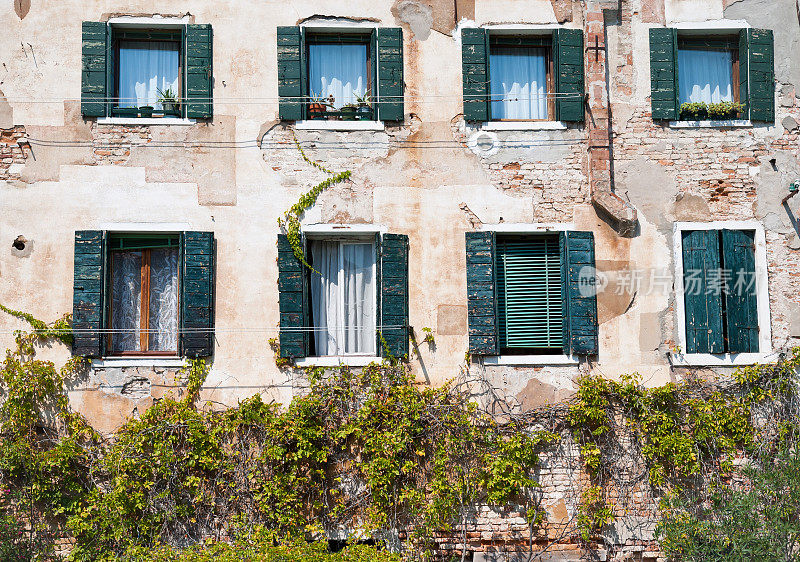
6	113
417	16
22	7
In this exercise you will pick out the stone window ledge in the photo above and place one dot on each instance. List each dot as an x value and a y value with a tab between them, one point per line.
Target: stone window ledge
523	360
720	124
721	360
145	121
117	362
524	126
350	361
323	125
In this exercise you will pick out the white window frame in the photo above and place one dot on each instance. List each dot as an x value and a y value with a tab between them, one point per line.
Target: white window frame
762	298
528	360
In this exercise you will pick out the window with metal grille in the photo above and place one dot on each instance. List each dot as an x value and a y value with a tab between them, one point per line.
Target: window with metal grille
529	294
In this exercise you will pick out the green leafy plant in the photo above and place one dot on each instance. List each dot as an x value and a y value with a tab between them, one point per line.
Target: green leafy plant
699	111
167	95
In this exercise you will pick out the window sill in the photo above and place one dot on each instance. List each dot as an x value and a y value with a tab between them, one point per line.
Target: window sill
723	360
323	125
349	360
117	362
145	121
721	124
523	360
524	126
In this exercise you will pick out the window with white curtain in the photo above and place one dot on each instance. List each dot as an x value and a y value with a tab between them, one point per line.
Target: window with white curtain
520	79
144	295
339	69
708	71
148	64
342	293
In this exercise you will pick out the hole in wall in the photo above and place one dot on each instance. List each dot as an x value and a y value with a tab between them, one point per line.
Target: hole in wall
19	243
773	163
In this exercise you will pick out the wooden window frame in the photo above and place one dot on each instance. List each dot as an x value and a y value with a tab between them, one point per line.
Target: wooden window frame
524	41
144	296
722	44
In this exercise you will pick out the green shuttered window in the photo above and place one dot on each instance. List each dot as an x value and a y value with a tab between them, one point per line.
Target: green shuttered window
720	291
531	294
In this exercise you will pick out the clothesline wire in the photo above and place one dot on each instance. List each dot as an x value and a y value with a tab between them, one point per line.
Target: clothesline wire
386	327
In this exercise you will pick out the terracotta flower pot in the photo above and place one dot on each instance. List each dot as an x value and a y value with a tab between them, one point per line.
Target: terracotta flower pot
316	110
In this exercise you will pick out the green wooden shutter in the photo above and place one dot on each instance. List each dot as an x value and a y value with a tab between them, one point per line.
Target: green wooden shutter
664	73
757	73
394	294
529	293
569	81
197	294
292	302
199	71
481	295
290	73
741	303
390	74
87	292
579	293
94	51
475	73
702	301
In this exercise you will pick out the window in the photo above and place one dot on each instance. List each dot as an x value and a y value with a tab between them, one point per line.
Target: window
708	70
521	78
342	294
340	76
144	295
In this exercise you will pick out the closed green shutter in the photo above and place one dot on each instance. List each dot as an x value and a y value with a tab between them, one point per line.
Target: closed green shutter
664	73
199	71
394	294
292	302
481	294
757	73
390	74
741	304
529	293
197	294
475	73
95	51
579	293
702	299
87	293
569	80
290	73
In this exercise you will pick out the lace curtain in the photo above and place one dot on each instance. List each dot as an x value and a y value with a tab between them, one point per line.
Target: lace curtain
518	80
343	298
339	70
705	75
144	68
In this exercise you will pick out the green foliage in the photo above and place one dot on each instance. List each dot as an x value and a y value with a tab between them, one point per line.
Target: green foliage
593	512
699	111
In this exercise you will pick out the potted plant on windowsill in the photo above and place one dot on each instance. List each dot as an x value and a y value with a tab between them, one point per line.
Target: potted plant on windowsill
318	106
701	111
349	112
146	111
364	107
169	101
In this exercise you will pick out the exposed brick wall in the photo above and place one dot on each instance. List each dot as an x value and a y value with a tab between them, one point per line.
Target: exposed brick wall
11	152
111	144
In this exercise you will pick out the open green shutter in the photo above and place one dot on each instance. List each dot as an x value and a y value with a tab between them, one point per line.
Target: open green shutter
529	293
579	293
87	292
390	74
475	73
702	299
757	73
481	294
290	73
197	295
741	304
664	73
199	71
292	301
394	321
569	81
94	52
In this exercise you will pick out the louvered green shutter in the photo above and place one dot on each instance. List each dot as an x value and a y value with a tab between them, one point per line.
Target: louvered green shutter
529	293
290	73
481	303
741	304
199	71
569	81
197	294
664	73
87	292
702	300
390	74
475	73
757	73
292	302
95	50
394	294
579	293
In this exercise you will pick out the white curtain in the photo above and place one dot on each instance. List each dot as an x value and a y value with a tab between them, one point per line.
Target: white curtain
339	70
343	298
518	82
144	68
705	75
126	291
163	299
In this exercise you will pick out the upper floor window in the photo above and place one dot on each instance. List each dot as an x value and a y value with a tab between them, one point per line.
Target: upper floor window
708	70
340	71
521	78
148	71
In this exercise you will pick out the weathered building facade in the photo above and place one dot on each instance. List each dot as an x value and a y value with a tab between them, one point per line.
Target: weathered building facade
447	187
